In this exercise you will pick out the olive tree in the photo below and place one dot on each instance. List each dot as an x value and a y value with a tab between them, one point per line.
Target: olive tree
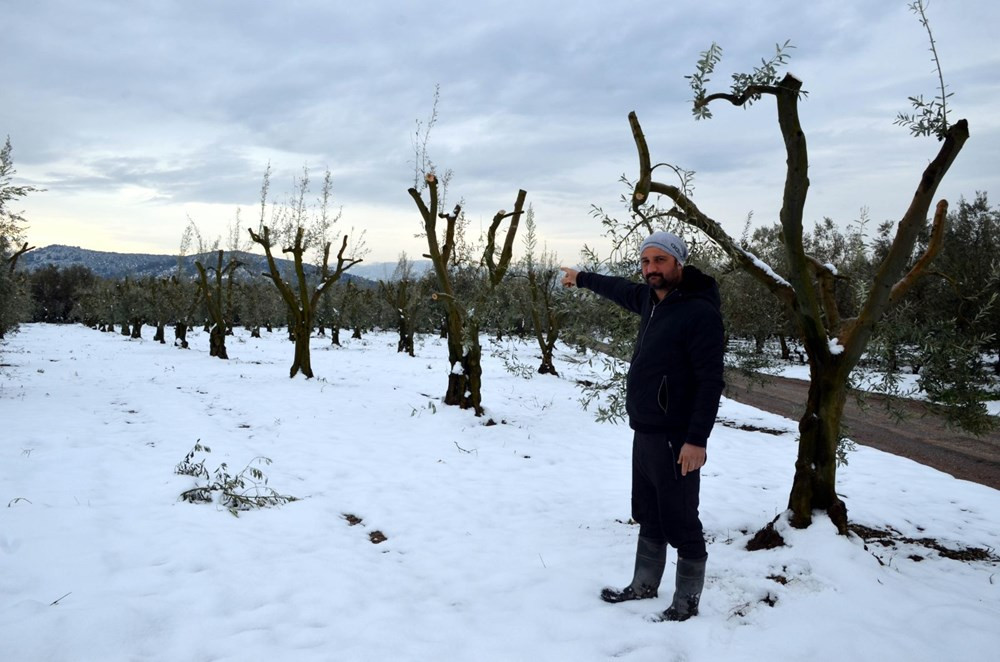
464	316
403	295
302	230
833	343
544	309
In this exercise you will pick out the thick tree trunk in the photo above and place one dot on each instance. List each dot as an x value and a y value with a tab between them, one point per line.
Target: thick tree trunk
474	370
125	329
786	351
547	368
217	342
180	335
546	345
457	386
357	333
405	328
465	378
546	336
136	330
465	382
815	482
302	361
160	335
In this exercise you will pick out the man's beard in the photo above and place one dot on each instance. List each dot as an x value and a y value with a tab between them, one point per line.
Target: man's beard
662	282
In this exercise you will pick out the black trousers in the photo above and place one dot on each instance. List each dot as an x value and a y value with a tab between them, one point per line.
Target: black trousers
664	503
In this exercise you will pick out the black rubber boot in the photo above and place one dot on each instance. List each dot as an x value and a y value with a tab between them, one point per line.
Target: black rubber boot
687	590
650	559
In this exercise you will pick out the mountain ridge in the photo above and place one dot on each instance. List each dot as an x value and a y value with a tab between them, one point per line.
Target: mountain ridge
116	266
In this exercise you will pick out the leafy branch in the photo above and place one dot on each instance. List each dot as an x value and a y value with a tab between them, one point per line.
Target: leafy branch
929	117
247	490
746	87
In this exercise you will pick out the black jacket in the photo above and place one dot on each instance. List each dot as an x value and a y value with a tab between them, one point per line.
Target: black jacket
675	379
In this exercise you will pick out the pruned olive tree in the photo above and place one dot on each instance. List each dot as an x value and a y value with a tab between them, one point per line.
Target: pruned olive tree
214	295
542	274
464	316
833	343
403	295
302	231
214	287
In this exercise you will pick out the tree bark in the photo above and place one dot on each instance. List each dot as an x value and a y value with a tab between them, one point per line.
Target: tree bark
217	342
180	334
815	481
302	361
547	367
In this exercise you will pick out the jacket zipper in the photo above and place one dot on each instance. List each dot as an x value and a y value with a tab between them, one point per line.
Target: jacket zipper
642	336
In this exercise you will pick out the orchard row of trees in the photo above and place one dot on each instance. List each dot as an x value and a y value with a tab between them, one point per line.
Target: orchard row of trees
164	308
953	309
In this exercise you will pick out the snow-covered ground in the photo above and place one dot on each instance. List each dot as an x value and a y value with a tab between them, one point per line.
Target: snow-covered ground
498	538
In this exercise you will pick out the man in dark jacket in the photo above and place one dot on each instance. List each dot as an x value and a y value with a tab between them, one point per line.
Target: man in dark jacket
672	396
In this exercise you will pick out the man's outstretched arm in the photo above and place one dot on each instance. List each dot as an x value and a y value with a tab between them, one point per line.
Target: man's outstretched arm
626	293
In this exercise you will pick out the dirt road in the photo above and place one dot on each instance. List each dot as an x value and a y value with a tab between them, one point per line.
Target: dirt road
921	437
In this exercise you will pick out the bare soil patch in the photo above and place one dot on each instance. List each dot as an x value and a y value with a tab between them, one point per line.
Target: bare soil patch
922	436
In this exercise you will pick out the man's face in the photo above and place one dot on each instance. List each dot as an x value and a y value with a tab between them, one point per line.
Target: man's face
660	269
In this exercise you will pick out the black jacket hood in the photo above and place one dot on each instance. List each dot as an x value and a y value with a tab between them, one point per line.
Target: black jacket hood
695	283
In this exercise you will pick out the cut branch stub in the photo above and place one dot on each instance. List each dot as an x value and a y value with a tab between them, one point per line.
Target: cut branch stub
933	247
641	192
498	269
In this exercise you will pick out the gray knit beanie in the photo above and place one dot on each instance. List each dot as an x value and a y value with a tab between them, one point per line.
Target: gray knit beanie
667	242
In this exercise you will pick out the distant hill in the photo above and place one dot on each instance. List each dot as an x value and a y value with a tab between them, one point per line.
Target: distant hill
141	265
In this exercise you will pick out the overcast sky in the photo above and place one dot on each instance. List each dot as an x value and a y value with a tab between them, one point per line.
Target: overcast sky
137	115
